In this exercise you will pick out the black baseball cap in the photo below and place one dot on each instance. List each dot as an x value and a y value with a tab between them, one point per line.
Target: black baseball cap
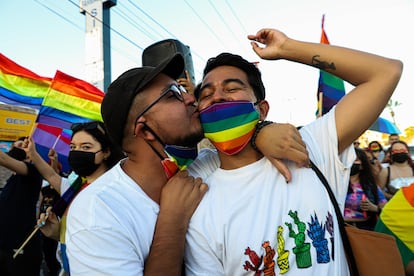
121	93
227	59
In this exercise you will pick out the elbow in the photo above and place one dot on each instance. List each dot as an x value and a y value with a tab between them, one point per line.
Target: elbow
395	70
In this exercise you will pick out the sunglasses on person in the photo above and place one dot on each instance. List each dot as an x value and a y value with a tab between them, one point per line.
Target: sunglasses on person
176	90
88	126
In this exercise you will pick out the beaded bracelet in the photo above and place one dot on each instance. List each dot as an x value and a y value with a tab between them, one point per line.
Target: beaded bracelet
259	126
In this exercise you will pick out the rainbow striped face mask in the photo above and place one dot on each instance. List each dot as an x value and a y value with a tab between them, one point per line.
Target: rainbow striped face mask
178	157
229	125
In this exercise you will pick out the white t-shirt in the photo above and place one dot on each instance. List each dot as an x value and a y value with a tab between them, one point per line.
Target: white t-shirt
110	224
251	220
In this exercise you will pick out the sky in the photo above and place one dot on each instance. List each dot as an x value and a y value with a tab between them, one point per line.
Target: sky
49	35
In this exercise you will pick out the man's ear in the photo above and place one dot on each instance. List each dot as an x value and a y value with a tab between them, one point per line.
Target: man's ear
142	130
264	109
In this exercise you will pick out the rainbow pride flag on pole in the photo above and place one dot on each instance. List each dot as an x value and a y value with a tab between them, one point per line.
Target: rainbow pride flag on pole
397	219
331	88
69	100
20	86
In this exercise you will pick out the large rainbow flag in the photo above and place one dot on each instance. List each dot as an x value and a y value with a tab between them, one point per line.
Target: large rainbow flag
330	88
20	86
397	219
69	100
61	101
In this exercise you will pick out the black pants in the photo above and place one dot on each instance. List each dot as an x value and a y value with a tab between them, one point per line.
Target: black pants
24	264
49	254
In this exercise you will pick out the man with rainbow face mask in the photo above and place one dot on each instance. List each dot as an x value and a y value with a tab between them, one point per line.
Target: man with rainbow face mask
135	216
250	222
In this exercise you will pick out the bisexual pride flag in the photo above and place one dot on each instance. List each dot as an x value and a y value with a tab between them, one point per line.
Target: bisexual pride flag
47	137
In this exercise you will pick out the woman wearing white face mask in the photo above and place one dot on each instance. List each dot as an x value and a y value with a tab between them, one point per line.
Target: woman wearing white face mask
91	155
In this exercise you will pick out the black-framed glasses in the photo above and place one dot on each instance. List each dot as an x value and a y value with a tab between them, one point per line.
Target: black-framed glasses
176	90
88	126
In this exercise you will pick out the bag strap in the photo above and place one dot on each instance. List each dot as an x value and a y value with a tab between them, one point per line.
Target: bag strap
388	175
341	222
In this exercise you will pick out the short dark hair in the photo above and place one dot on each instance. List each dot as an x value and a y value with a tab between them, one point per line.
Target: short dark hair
254	76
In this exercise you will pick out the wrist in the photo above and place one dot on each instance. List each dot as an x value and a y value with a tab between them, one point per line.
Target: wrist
379	209
259	127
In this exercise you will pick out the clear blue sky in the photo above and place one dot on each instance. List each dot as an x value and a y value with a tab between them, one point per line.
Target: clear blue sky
49	35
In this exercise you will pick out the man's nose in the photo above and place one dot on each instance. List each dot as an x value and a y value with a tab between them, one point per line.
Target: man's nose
219	95
189	99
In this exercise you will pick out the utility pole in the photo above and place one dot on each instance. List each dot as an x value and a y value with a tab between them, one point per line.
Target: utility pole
97	41
391	104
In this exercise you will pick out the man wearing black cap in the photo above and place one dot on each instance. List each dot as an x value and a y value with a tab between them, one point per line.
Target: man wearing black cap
137	213
250	221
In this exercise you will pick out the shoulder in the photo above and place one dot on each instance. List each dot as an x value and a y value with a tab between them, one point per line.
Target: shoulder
206	163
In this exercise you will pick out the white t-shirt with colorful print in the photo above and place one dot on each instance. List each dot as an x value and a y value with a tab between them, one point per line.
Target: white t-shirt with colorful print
251	222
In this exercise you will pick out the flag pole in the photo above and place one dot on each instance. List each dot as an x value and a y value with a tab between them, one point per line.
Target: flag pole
56	141
17	251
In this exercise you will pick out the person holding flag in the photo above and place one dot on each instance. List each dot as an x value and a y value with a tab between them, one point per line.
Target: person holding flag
18	202
91	154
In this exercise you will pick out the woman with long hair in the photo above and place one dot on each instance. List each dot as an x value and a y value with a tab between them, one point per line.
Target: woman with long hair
365	199
400	172
91	154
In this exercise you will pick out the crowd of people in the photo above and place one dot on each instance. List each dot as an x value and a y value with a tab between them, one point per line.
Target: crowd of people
144	198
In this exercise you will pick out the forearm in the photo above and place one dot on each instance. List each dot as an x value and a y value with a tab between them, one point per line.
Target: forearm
167	245
12	164
373	76
46	171
356	67
54	163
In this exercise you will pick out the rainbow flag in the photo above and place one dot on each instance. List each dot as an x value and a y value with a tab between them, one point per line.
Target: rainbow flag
20	86
70	100
330	88
397	219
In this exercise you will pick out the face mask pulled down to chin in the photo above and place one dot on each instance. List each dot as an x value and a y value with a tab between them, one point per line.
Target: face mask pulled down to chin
178	157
